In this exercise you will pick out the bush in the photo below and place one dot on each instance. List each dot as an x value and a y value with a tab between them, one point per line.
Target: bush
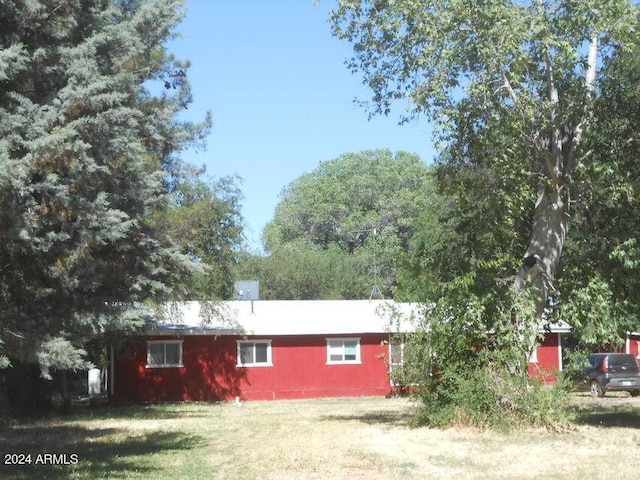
487	399
462	398
546	405
470	362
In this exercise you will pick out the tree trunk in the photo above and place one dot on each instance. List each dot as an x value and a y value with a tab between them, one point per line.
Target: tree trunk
551	220
548	233
66	398
539	267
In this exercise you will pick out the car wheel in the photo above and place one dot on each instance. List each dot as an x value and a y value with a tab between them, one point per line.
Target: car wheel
596	389
635	393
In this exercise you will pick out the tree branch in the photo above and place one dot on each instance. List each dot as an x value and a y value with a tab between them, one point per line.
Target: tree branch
592	64
589	84
553	162
507	85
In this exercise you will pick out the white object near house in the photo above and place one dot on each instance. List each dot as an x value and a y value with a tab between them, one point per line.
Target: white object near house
93	381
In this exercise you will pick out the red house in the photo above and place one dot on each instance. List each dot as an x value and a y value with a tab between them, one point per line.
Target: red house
632	345
546	361
267	350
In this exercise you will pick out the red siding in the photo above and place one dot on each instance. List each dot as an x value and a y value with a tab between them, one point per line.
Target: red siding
299	370
633	345
548	356
209	371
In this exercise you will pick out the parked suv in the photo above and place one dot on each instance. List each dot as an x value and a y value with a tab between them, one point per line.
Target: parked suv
612	372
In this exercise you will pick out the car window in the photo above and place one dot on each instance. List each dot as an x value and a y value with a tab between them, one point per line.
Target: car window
593	360
623	361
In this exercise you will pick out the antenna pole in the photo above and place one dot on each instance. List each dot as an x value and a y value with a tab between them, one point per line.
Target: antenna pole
376	289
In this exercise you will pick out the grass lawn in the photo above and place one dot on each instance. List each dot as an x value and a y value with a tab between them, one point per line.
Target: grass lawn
367	438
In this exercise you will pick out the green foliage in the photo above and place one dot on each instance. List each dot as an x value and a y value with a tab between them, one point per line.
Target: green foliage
361	206
466	364
511	87
602	256
60	353
503	80
471	236
205	219
342	198
597	316
89	139
449	56
299	271
492	399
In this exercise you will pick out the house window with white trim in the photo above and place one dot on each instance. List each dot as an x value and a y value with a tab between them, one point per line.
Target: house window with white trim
343	350
254	353
397	344
396	352
164	353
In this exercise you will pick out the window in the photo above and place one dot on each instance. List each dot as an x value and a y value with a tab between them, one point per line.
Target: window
254	353
164	353
396	352
343	350
397	345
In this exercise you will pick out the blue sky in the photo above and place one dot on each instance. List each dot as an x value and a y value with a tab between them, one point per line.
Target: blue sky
281	97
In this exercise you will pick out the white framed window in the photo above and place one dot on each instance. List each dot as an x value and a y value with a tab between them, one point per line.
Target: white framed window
396	352
343	350
397	345
164	353
254	353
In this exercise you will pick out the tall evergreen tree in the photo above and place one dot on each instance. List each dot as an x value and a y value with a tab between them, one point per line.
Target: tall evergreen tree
88	140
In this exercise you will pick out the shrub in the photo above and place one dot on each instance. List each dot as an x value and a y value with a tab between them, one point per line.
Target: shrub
487	399
470	363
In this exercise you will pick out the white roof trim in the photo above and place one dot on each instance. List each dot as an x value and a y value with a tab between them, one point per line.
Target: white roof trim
556	327
289	317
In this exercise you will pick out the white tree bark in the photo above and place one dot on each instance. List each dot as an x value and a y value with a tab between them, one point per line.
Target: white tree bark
550	224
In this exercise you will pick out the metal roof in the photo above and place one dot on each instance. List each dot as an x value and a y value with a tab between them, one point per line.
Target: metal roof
290	317
559	326
300	317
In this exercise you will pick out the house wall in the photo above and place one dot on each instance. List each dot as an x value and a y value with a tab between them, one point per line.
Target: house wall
299	370
633	344
549	358
210	371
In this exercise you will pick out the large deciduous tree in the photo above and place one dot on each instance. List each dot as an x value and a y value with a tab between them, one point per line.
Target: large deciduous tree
602	261
300	270
364	204
510	84
88	140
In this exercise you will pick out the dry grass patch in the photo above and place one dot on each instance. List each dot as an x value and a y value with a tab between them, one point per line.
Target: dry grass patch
330	438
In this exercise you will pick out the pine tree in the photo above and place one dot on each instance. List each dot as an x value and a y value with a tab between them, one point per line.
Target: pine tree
89	136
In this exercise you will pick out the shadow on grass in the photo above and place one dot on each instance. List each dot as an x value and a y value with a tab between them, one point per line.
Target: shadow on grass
608	412
621	417
159	411
87	453
396	419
